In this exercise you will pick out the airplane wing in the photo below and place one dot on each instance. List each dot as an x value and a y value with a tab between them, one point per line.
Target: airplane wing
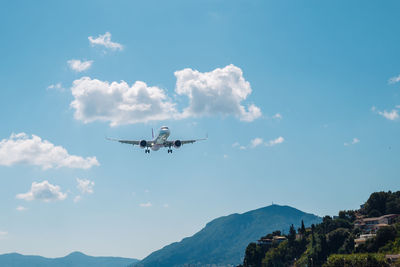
171	143
192	141
131	142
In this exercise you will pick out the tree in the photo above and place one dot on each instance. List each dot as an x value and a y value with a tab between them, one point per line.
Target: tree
292	234
303	228
336	239
357	260
384	235
312	235
253	256
374	213
349	215
382	203
276	233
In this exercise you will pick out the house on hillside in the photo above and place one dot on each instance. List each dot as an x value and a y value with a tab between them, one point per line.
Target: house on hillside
274	240
372	225
363	238
279	239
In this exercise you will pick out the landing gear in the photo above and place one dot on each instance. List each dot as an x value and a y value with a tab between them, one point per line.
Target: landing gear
169	150
147	150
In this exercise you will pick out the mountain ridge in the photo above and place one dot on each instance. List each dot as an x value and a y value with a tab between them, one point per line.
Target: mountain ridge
73	259
220	241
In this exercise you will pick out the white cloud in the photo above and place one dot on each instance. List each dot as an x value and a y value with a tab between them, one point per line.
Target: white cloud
43	191
145	205
395	79
85	186
390	115
277	116
256	142
276	141
236	144
259	141
20	148
105	40
219	92
165	205
119	103
353	142
79	66
21	208
225	156
57	86
147	191
77	199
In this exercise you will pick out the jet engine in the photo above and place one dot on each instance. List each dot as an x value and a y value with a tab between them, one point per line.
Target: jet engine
143	144
177	143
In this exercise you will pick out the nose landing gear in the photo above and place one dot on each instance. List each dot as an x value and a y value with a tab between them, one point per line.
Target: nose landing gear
147	150
169	150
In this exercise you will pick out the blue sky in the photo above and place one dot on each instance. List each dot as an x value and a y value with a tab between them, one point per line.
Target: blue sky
323	133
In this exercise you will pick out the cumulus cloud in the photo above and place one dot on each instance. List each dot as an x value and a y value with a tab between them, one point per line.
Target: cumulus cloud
105	40
390	115
85	186
79	66
20	208
216	93
219	92
43	191
276	141
119	103
395	79
256	142
145	205
20	148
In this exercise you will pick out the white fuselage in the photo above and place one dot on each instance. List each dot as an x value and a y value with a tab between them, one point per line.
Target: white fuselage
161	138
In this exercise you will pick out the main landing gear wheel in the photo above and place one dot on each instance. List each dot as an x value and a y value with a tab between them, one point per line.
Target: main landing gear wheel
169	150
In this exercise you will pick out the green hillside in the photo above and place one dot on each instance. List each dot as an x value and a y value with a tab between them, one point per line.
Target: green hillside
223	240
369	236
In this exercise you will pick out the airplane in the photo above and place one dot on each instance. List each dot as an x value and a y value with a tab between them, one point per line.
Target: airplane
159	141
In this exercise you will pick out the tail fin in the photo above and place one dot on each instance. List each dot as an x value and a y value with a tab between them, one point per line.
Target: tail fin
152	133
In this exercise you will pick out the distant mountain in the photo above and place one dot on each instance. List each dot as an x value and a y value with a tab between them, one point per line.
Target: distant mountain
75	259
223	241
